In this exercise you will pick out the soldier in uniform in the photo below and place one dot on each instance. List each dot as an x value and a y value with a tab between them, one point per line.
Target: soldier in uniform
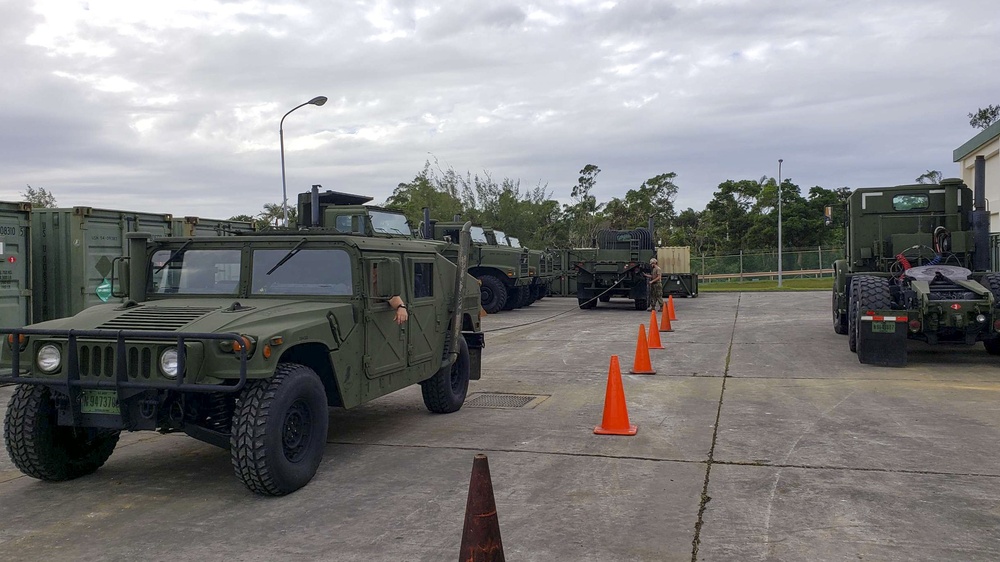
655	287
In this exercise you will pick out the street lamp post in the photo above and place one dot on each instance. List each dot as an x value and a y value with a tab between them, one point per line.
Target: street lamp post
318	100
779	221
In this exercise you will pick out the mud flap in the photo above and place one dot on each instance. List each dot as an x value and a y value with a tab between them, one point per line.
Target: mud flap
882	340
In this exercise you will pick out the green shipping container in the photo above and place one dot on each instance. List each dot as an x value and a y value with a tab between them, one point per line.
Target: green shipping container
72	254
15	279
197	226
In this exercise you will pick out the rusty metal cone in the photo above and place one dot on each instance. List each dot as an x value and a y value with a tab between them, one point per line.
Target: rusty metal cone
481	532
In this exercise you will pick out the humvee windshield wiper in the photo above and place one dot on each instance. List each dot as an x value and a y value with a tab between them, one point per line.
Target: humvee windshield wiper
287	257
173	256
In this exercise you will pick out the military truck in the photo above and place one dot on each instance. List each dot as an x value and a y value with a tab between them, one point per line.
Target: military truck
617	269
244	342
539	269
916	268
502	271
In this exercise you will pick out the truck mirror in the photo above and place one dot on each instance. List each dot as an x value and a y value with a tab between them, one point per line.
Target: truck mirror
120	265
386	277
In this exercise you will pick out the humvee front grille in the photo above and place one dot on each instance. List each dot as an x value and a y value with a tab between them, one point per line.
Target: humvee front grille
98	360
156	318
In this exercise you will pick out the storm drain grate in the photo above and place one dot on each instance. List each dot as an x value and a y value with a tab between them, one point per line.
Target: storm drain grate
497	400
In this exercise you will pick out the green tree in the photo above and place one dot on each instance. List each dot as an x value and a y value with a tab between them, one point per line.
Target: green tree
654	199
930	176
581	217
39	197
985	116
426	190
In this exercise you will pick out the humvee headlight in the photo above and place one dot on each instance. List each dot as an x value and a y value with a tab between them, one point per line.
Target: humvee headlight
49	358
168	363
981	318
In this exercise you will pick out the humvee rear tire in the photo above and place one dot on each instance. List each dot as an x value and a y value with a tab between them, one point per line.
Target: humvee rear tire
45	450
279	430
445	392
493	294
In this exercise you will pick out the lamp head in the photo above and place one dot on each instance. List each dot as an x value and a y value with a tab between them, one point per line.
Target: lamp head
318	100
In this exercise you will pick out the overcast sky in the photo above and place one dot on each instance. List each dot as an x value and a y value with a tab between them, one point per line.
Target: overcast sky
174	107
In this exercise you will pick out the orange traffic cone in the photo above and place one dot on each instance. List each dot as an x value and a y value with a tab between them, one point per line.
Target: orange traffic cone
670	305
654	333
665	321
481	532
642	365
615	421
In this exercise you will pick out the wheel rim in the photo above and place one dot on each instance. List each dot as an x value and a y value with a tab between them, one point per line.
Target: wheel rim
486	294
456	384
296	431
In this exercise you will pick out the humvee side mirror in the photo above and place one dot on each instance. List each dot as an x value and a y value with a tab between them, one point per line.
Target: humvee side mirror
120	265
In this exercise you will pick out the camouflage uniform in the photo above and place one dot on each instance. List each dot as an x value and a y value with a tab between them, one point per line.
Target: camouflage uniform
655	288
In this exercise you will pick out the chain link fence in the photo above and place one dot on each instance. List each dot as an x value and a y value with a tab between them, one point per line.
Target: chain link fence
761	265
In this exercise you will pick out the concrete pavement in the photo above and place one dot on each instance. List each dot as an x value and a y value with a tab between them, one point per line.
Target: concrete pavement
760	438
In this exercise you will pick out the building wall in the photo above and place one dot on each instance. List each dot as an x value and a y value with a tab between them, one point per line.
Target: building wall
986	143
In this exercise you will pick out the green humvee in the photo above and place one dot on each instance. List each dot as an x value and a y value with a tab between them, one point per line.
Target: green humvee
917	267
243	342
502	271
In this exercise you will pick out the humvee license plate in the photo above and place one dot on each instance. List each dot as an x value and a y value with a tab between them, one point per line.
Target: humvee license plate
99	402
883	327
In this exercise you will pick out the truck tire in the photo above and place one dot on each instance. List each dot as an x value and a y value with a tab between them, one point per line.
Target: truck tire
852	307
839	318
526	298
641	304
605	297
513	298
992	280
445	392
586	303
872	294
45	450
279	430
493	294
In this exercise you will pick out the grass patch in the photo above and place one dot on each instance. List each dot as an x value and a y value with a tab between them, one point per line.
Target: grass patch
803	284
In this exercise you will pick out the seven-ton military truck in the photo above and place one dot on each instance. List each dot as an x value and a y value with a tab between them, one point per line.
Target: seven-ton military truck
916	268
539	269
244	342
620	262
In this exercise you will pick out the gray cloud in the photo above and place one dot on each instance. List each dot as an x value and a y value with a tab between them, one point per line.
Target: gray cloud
182	116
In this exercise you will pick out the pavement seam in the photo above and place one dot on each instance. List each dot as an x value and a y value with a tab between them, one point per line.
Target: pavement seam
705	498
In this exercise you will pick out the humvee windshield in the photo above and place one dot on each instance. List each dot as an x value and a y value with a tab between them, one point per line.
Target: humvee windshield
195	272
217	272
479	235
389	223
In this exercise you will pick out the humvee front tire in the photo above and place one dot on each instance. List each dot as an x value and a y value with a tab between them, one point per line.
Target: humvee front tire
445	392
493	294
45	450
279	430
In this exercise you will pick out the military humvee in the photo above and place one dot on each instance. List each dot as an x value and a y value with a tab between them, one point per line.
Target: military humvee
502	271
916	268
244	342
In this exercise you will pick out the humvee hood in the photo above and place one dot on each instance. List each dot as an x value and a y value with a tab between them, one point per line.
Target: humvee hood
197	315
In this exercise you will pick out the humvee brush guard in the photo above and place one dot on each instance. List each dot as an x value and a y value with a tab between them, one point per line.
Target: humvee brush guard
243	342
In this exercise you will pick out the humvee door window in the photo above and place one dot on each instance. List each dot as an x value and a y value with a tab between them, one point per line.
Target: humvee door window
195	272
423	280
389	223
478	235
306	272
915	202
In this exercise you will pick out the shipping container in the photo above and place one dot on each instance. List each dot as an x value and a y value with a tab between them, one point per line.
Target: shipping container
15	278
674	259
198	226
73	250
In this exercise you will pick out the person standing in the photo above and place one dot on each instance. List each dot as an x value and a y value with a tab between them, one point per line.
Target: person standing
655	287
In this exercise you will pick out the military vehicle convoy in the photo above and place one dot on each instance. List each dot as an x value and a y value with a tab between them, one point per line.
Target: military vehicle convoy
916	268
539	269
502	271
615	268
244	342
